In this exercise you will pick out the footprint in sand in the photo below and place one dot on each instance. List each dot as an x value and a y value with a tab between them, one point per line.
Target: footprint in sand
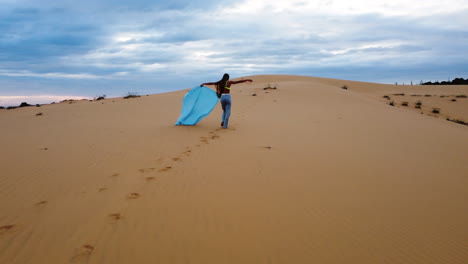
133	196
148	179
115	175
146	170
82	254
176	159
185	153
6	229
215	136
41	203
115	216
165	169
102	189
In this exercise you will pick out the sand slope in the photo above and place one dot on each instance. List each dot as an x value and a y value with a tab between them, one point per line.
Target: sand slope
307	173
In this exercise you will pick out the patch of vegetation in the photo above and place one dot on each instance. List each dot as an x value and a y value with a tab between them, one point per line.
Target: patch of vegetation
453	100
131	95
404	103
67	101
436	110
461	122
418	104
392	103
427	95
24	104
344	87
399	94
461	96
386	97
456	81
101	97
270	87
38	114
416	95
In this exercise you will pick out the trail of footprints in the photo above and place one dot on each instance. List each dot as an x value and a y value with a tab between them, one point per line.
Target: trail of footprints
179	158
83	253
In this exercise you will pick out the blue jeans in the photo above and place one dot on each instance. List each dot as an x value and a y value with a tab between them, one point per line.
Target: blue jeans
226	105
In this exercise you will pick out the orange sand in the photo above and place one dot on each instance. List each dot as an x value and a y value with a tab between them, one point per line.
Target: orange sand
307	173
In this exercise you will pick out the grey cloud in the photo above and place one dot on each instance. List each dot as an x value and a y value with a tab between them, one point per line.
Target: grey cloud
123	5
31	34
62	36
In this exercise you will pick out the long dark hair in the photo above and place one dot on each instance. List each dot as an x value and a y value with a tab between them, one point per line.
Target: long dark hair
221	84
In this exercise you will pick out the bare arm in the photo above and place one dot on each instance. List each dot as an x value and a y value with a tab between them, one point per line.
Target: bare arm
208	83
241	81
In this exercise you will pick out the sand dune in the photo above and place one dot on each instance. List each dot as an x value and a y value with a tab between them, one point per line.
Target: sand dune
306	173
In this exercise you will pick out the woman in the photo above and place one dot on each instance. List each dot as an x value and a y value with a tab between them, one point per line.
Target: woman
223	89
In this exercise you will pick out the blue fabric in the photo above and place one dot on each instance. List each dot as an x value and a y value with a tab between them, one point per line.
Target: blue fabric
198	103
226	105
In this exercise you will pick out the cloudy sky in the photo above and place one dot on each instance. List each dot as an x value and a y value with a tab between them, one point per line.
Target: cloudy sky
57	49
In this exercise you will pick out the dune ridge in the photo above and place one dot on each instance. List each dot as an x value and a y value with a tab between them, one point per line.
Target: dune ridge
307	173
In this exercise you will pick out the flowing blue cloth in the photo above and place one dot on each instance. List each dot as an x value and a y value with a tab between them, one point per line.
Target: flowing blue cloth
198	103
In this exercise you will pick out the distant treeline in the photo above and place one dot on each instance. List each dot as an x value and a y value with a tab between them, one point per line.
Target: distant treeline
456	81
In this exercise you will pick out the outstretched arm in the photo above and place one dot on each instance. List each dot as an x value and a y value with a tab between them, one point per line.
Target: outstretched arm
241	81
208	83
